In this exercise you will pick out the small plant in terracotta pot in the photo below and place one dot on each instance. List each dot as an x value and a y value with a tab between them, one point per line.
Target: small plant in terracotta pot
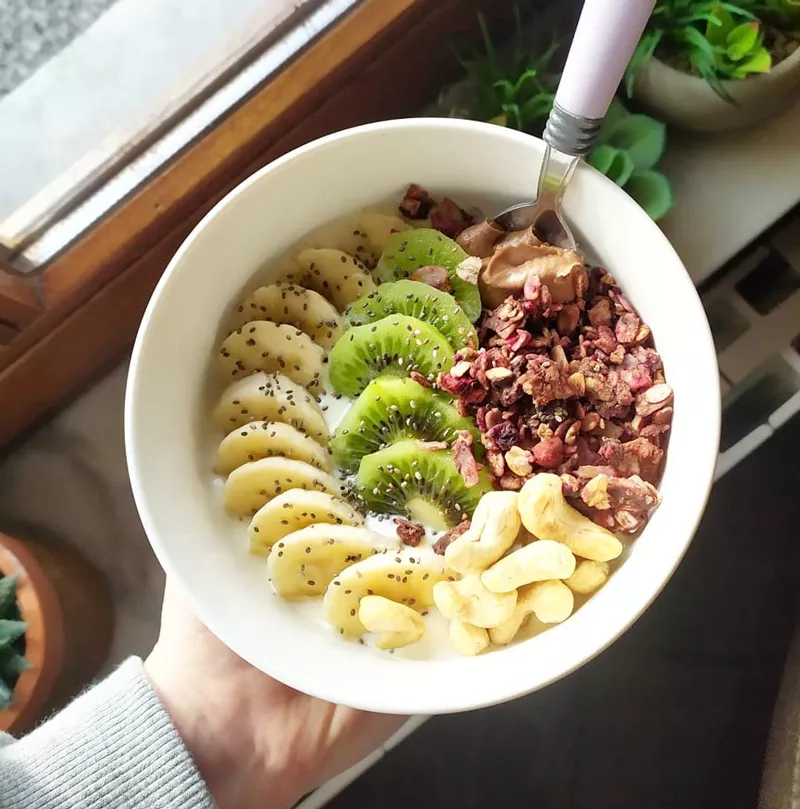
705	65
56	623
12	641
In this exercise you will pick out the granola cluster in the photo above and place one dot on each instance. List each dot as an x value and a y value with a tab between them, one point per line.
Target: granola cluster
569	383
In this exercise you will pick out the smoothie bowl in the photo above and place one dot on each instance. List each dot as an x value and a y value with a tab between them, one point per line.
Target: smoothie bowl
401	460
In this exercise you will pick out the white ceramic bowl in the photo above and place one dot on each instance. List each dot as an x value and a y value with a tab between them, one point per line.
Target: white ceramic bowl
168	406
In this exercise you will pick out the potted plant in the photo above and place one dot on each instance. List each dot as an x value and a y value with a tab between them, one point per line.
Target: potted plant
706	65
516	87
56	623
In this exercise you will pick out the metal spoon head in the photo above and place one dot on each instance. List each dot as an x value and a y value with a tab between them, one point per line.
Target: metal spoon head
546	219
544	215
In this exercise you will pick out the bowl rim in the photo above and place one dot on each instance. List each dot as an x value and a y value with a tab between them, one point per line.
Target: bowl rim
363	698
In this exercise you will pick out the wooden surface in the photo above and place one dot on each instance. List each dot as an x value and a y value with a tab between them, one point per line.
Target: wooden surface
18	303
383	60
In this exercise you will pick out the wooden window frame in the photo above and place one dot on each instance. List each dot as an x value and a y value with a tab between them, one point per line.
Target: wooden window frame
383	60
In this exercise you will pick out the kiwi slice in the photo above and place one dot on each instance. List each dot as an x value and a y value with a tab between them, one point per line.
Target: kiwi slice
420	301
412	249
390	410
394	346
423	484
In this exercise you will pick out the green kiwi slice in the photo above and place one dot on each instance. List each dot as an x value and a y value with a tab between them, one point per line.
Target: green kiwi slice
394	346
417	300
423	484
411	249
392	409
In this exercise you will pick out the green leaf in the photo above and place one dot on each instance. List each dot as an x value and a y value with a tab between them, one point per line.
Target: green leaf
539	105
759	62
691	36
653	191
8	592
616	113
719	25
602	157
620	169
641	56
11	631
742	40
642	137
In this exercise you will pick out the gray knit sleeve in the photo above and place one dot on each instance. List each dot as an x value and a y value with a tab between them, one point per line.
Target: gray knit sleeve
114	747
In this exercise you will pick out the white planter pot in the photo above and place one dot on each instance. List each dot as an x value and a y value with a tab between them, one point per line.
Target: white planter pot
688	102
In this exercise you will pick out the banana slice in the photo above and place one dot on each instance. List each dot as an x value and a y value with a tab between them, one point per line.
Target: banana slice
397	624
262	345
269	439
406	577
250	486
270	397
302	564
294	306
362	235
336	275
376	228
293	510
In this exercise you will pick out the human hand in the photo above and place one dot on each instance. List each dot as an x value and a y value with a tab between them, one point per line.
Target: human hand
255	741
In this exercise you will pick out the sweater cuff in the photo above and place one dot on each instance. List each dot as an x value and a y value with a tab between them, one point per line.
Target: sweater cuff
114	746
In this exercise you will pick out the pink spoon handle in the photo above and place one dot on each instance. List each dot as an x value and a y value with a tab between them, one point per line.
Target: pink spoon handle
604	42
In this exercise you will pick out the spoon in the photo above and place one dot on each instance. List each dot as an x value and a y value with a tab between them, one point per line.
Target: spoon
605	39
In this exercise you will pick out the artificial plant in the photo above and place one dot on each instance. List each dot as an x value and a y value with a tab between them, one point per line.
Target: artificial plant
12	634
516	88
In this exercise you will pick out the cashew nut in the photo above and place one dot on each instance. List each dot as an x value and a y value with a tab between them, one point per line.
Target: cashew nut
588	577
546	513
494	528
550	601
543	602
468	639
468	600
398	624
539	561
503	635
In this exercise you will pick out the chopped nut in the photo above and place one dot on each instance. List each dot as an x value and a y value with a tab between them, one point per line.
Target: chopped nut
658	394
572	433
544	432
568	318
468	269
559	357
591	422
498	374
617	355
431	446
518	461
577	382
460	369
595	493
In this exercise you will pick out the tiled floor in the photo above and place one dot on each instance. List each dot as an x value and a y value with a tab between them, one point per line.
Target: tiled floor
673	716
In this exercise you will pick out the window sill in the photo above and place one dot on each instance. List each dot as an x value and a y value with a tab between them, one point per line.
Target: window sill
93	295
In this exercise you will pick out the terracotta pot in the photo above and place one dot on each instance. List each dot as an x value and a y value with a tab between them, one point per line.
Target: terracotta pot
688	102
67	605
